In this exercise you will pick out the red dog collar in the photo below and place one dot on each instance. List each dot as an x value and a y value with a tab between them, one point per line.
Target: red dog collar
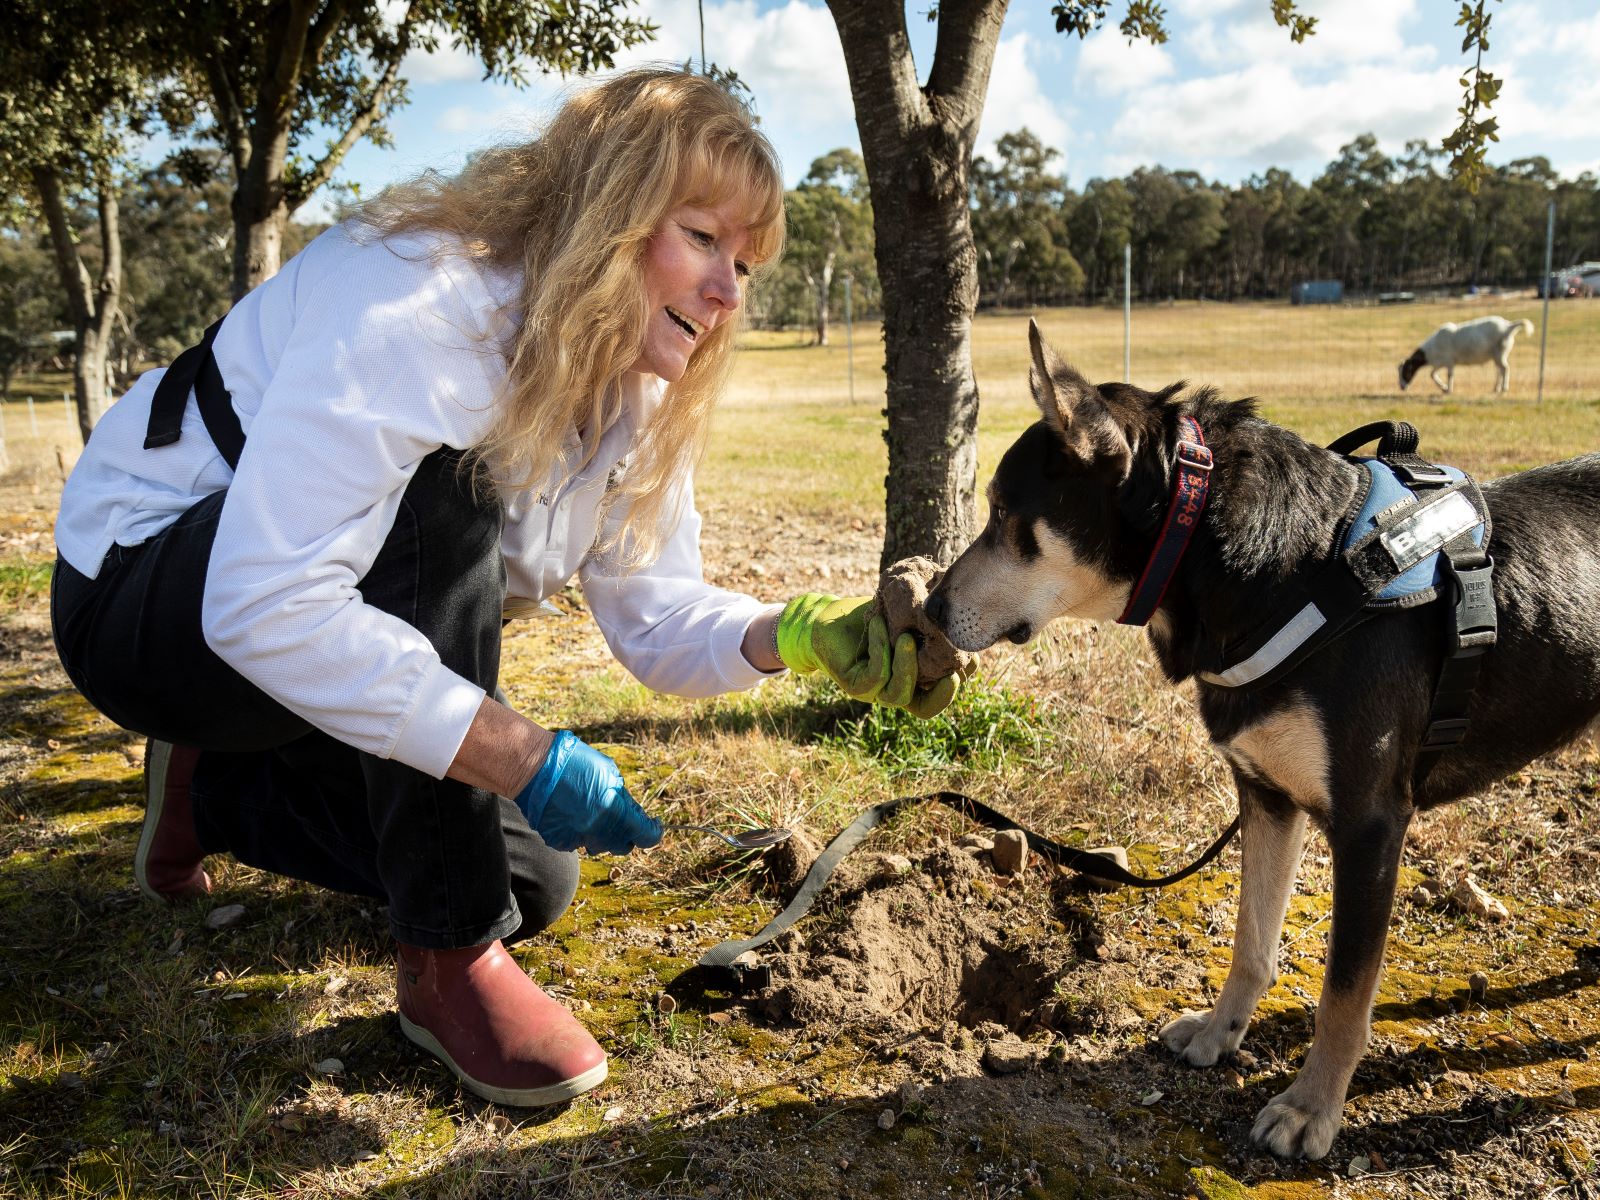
1191	480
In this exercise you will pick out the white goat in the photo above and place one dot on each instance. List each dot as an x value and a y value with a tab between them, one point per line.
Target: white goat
1486	339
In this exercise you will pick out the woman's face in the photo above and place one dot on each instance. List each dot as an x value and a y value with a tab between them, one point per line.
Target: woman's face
694	269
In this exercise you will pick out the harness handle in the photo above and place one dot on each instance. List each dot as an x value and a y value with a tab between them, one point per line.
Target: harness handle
1394	438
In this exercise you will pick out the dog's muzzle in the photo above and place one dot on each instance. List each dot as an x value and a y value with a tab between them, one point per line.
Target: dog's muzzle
1019	633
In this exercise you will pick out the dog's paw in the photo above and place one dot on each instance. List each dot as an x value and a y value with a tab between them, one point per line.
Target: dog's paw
1200	1039
1291	1128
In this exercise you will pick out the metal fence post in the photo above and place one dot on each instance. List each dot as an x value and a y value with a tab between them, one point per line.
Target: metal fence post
1127	312
33	421
849	338
1544	318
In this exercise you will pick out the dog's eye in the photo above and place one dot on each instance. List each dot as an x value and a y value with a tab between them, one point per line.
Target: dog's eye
997	514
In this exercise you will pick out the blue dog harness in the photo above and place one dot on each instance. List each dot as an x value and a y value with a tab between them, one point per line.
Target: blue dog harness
1418	531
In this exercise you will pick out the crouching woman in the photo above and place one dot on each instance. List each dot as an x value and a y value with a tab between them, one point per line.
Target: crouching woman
286	559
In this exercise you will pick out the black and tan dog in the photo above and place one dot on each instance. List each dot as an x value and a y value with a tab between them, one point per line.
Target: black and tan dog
1074	510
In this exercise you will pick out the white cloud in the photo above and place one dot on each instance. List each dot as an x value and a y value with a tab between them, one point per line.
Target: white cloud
1347	32
1109	63
1268	115
447	64
1017	99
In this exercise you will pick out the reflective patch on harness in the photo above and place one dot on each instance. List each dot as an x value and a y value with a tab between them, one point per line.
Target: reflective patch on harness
1282	644
1413	538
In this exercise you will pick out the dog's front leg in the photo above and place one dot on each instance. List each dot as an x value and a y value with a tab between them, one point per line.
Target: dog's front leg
1302	1121
1274	831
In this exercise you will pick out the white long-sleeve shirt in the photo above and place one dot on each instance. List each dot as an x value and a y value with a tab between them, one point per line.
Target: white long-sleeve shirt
347	368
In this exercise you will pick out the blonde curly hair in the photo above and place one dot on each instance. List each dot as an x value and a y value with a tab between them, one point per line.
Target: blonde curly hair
574	210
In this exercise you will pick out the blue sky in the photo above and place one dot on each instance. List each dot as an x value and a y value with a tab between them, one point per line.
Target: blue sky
1228	96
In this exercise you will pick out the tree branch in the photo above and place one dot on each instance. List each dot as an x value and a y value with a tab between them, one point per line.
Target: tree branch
963	55
877	53
305	187
326	25
110	288
236	131
360	124
73	274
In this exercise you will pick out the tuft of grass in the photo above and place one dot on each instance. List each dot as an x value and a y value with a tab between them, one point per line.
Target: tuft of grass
23	579
989	726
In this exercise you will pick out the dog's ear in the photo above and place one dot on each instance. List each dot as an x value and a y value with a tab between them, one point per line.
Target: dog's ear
1073	407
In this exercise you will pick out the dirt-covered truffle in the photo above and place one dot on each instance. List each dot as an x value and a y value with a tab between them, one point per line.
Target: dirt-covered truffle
902	593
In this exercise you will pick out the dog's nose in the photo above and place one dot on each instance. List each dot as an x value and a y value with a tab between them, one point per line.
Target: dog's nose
937	608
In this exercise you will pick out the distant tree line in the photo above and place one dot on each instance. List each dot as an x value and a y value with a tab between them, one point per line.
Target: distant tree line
1371	221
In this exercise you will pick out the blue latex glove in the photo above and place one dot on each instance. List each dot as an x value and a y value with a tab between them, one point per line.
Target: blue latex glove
577	798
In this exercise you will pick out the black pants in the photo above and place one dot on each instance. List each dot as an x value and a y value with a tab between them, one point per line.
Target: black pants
457	866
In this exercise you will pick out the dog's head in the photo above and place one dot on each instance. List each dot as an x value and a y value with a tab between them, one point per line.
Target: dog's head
1411	366
1051	546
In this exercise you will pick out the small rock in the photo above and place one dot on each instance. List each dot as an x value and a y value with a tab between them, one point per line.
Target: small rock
911	1092
363	1156
1470	898
1477	985
975	843
1007	1058
1246	1060
501	1124
894	865
1423	895
1117	855
1151	1097
1010	852
328	1066
886	1119
227	914
612	1114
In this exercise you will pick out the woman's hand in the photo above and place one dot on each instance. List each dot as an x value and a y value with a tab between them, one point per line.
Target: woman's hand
577	798
849	643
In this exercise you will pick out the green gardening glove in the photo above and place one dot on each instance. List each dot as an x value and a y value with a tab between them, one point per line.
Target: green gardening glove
850	644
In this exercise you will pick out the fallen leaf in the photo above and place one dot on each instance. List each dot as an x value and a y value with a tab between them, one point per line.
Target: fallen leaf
1150	1098
329	1066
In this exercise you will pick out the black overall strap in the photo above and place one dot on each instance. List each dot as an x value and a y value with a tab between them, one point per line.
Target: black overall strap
196	370
731	964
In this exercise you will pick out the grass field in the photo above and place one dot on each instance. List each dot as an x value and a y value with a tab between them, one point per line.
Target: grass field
152	1052
1319	370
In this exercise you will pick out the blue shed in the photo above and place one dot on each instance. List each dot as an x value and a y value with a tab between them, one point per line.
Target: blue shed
1317	291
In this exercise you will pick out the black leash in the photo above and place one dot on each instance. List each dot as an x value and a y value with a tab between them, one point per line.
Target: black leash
732	966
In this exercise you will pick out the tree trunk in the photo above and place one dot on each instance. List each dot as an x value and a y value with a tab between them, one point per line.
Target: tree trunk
93	304
257	246
823	286
917	143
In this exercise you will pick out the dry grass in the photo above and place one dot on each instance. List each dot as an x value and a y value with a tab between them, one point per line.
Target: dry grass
146	1054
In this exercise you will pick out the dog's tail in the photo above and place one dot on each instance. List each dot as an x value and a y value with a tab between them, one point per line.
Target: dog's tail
1526	326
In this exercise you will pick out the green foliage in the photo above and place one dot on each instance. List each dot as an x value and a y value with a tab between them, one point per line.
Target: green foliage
829	237
1019	224
988	726
1470	139
23	579
1299	26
